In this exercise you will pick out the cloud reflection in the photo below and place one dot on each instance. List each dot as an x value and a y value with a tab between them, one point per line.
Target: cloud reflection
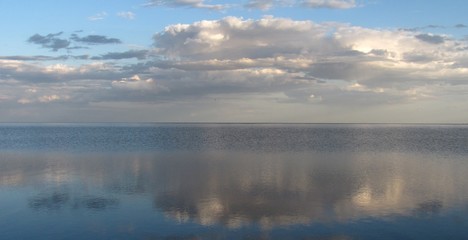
237	189
60	200
284	190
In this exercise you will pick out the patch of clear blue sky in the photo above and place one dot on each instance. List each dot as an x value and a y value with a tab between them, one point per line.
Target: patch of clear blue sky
19	19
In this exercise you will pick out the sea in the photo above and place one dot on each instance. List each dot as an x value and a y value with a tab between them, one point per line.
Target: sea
181	181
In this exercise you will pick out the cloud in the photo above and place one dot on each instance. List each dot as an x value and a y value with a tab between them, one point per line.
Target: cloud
95	39
126	15
51	98
461	26
136	83
98	16
334	4
27	72
267	4
34	58
186	3
234	38
430	38
266	63
138	54
51	41
336	63
259	4
42	58
56	41
331	4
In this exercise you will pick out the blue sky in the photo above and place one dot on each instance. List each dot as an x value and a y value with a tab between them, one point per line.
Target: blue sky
234	61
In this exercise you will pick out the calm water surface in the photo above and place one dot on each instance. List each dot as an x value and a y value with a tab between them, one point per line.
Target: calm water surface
226	181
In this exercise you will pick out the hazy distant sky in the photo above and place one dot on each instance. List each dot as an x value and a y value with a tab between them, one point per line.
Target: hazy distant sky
234	61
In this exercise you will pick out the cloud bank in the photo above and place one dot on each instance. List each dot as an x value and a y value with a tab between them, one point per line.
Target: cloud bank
232	61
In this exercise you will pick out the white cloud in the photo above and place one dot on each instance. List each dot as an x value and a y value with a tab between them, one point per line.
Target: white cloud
51	98
269	61
186	3
127	15
331	4
98	16
335	4
260	4
234	38
267	4
135	83
381	64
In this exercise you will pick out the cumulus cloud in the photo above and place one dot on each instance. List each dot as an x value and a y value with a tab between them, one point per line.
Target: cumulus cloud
320	60
269	61
234	38
186	3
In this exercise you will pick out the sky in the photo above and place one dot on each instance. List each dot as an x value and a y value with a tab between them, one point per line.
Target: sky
285	61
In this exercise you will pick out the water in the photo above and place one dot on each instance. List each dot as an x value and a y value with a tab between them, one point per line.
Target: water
228	181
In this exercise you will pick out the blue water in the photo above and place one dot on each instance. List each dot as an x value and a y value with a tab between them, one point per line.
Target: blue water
233	181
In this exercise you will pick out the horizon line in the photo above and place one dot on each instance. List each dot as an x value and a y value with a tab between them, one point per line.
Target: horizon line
241	123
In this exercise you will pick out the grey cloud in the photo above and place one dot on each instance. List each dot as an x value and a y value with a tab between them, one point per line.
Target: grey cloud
415	29
430	26
44	58
434	26
418	57
81	57
237	64
430	38
381	53
461	26
77	47
185	3
51	41
34	58
95	39
55	42
338	70
138	54
41	58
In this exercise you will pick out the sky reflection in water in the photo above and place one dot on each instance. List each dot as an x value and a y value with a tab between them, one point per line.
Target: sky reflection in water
234	193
